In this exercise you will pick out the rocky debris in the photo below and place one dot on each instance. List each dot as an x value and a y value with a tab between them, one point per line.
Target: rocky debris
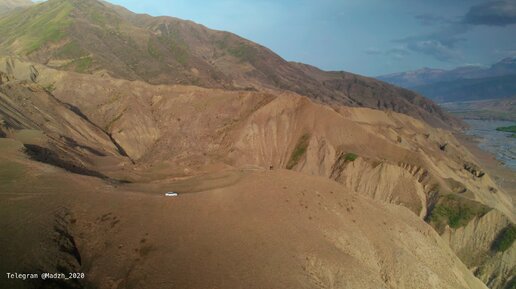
65	240
34	74
473	169
68	259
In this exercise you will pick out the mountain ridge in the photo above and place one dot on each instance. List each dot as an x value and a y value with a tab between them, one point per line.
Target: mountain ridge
467	83
98	37
426	75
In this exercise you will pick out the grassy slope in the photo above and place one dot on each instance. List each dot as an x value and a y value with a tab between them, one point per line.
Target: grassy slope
505	239
25	31
165	50
455	211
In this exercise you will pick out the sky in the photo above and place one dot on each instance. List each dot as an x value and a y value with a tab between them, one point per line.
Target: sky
369	37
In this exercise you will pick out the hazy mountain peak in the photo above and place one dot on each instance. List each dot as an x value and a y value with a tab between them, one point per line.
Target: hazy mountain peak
471	82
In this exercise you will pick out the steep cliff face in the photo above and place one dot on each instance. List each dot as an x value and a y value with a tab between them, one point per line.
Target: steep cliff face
385	182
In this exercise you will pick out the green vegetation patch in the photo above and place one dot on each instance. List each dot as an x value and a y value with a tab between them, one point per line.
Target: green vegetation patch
71	50
237	48
97	17
83	64
50	87
505	239
177	47
27	30
80	65
511	128
511	284
153	50
350	157
455	211
243	52
299	151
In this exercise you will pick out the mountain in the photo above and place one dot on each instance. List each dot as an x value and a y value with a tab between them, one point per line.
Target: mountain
286	176
470	89
460	84
248	165
8	5
89	36
492	109
321	195
426	76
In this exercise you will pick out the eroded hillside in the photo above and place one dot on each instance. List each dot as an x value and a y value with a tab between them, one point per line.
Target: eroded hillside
276	229
171	134
288	176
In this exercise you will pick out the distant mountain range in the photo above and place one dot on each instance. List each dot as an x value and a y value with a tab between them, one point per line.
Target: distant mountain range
491	109
460	84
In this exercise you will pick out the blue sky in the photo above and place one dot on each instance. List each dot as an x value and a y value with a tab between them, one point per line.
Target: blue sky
369	37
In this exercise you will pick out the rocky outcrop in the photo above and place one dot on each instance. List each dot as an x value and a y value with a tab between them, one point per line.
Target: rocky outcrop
474	170
68	258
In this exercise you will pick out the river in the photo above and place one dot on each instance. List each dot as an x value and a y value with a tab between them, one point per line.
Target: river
496	142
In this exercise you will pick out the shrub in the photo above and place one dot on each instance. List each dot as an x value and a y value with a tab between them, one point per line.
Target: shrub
505	239
455	211
350	157
299	151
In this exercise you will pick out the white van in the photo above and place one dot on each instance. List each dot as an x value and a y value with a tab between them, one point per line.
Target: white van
171	194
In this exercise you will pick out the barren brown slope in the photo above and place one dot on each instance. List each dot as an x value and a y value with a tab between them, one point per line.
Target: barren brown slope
95	37
176	132
189	127
276	229
54	132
